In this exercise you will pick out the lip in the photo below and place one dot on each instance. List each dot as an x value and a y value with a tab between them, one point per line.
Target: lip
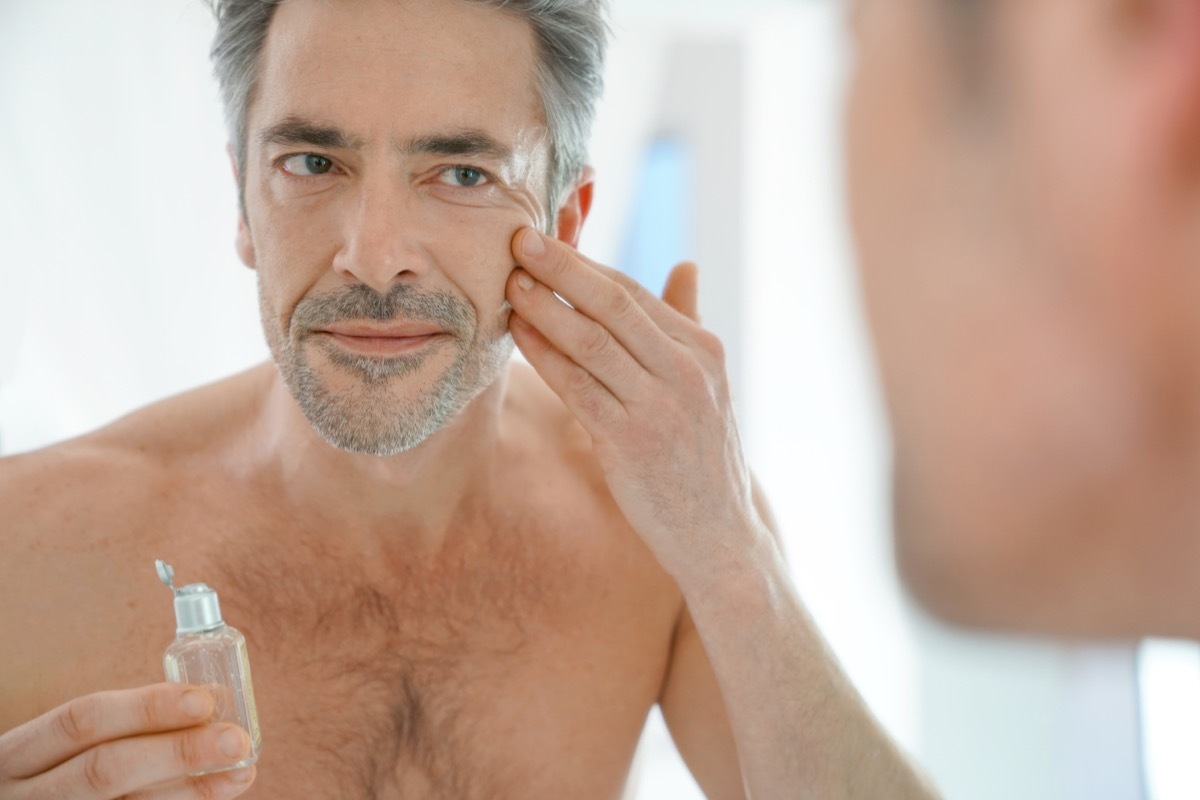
382	340
392	330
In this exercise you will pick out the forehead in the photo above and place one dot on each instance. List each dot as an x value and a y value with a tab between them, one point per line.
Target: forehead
399	68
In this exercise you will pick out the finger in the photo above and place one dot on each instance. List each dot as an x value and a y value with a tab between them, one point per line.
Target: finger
88	721
592	404
677	324
598	297
586	342
118	768
599	292
206	787
682	291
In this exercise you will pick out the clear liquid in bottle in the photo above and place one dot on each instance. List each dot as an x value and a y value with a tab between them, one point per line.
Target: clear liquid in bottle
208	653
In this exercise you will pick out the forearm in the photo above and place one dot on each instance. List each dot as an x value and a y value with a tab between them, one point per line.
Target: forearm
801	728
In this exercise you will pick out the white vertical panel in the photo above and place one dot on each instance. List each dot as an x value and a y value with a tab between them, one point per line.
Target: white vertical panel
1103	758
1170	708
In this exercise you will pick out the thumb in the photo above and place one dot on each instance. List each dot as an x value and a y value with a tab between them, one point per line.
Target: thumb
683	289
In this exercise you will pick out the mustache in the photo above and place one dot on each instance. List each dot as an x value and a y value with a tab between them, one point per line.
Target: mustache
403	301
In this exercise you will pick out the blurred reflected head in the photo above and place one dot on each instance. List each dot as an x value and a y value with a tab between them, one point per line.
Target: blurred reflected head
1025	193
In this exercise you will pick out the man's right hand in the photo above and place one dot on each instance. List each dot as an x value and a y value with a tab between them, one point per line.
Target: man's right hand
138	744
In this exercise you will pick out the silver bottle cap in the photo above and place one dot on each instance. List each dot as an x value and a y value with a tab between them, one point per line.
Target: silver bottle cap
197	608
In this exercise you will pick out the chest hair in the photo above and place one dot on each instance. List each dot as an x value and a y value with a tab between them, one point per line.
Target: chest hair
390	658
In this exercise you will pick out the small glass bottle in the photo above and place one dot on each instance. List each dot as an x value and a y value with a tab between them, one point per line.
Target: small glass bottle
207	652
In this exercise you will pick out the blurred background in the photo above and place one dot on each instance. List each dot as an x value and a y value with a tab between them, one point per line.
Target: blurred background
719	141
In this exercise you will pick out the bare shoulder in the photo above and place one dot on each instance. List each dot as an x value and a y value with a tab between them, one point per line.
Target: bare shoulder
82	521
106	486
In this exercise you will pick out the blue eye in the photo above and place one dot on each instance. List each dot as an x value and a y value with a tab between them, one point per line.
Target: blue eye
466	177
307	164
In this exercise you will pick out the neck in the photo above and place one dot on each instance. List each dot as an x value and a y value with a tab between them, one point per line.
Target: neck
418	491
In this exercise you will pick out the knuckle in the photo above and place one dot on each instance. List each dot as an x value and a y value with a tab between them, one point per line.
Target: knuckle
99	770
638	293
147	710
188	750
77	722
559	262
628	283
596	342
580	382
712	346
209	788
689	370
620	301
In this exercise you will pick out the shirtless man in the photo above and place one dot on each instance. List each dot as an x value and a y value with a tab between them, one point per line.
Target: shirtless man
458	578
1026	195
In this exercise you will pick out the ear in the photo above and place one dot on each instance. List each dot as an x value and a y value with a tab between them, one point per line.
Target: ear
243	243
574	210
1166	56
1184	44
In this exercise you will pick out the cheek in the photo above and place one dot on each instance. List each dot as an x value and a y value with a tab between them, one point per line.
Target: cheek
472	250
291	258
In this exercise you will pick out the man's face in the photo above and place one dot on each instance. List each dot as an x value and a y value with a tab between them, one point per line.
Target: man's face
394	147
1009	195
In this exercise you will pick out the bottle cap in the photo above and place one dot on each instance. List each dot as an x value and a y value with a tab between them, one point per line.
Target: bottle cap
197	609
196	606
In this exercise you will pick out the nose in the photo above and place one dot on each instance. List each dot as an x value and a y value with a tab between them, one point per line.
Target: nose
380	243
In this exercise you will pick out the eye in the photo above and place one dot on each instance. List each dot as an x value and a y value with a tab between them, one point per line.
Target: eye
466	177
306	164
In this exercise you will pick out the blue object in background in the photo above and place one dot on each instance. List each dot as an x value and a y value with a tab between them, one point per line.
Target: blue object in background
660	229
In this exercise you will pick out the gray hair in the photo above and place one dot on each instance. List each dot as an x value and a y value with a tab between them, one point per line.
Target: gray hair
572	37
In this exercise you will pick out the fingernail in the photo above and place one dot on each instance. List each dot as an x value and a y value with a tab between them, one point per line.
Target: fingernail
232	743
532	244
243	775
524	280
196	703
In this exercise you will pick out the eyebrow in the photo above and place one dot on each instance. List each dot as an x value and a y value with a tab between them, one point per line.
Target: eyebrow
469	142
459	143
296	130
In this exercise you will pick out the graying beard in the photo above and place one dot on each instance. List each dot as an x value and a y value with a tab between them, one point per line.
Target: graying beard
373	371
340	422
361	423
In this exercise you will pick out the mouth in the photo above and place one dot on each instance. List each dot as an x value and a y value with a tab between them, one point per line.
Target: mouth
386	341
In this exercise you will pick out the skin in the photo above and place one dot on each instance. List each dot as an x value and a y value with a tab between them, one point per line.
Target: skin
489	614
1024	199
648	385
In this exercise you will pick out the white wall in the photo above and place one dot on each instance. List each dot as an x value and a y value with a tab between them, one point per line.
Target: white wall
118	230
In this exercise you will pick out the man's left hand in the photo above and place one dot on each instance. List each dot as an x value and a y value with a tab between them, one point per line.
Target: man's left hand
648	383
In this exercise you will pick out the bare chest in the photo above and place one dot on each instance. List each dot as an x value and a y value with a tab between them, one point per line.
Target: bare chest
513	663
